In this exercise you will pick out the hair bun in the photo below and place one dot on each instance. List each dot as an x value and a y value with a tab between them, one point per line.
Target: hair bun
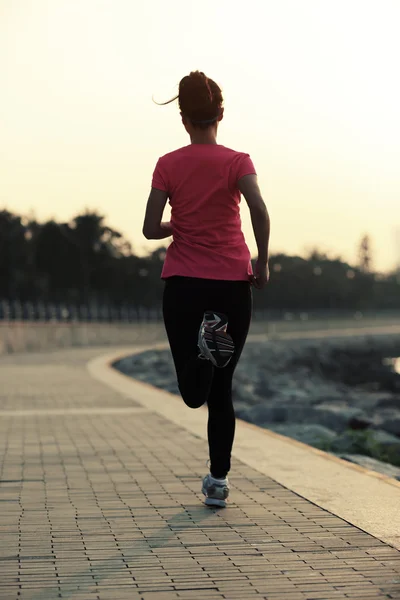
200	98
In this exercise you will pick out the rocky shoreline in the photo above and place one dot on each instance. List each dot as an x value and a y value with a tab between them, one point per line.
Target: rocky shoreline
341	395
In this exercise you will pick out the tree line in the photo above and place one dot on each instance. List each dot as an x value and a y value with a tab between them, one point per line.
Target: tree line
85	261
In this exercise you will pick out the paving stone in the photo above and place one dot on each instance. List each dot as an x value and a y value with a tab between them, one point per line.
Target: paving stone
104	505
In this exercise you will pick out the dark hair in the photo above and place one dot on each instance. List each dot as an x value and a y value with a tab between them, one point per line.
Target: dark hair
200	99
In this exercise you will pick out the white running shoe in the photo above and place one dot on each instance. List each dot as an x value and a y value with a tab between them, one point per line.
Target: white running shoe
216	491
214	342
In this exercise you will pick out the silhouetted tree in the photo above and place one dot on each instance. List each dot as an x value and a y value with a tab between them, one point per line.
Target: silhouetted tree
13	253
364	254
86	261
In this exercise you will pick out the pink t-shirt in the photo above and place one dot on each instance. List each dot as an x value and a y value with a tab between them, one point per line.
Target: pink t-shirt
202	185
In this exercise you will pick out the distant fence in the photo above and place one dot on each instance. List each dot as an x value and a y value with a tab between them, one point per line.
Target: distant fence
107	313
43	327
96	313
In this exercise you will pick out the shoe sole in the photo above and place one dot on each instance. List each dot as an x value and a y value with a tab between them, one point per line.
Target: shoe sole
215	502
212	501
222	341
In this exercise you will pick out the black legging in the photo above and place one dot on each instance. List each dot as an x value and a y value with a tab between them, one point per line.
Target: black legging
185	301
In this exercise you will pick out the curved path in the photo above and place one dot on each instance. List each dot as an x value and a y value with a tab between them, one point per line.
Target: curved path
99	499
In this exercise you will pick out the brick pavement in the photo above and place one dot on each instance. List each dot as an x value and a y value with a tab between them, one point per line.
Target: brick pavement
99	499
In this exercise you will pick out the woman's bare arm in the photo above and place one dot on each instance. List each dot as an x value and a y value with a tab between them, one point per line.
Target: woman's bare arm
153	228
248	185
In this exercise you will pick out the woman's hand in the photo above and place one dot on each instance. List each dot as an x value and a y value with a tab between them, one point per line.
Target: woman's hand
261	274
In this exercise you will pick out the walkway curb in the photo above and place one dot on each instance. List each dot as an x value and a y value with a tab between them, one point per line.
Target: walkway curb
363	498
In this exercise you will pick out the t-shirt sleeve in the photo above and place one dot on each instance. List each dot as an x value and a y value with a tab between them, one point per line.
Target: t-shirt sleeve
160	177
245	167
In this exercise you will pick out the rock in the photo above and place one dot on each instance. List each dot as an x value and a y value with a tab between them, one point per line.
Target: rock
280	414
124	365
311	434
359	423
242	376
241	410
388	420
392	426
347	443
367	401
385	440
260	414
312	389
373	464
321	397
163	368
388	402
173	388
262	388
336	417
372	442
244	393
277	411
291	395
357	362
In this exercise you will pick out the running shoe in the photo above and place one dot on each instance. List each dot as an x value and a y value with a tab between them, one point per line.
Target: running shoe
214	342
216	491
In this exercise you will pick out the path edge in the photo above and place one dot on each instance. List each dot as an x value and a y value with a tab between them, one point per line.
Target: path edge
364	498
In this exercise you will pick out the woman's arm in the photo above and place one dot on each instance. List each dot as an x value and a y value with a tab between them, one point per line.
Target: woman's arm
248	185
153	228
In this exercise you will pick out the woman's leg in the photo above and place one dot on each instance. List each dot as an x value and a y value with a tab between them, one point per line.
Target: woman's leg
184	303
235	300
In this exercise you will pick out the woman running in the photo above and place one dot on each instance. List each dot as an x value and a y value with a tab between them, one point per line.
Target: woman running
207	299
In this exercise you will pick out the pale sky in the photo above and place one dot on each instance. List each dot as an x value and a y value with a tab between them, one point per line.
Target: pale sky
311	91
